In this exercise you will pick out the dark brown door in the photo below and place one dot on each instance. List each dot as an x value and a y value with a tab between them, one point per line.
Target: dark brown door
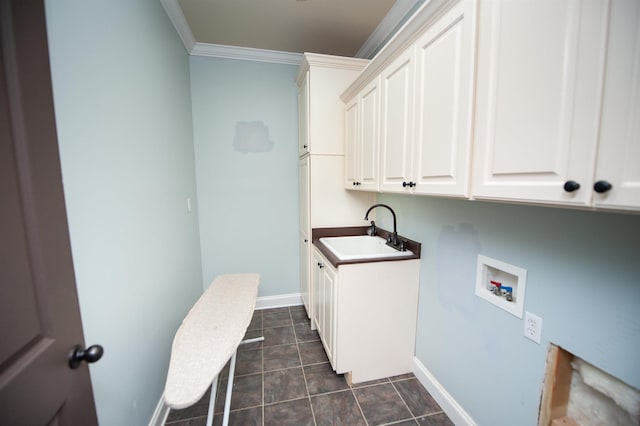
39	313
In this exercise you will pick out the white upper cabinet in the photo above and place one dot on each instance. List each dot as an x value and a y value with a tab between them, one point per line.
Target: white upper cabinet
352	143
443	112
396	123
369	129
538	88
361	133
619	150
528	101
425	94
321	78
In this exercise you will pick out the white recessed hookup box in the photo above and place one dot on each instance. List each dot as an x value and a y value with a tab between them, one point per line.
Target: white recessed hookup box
501	284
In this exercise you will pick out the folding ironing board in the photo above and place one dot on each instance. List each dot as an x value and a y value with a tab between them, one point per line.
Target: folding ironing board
208	336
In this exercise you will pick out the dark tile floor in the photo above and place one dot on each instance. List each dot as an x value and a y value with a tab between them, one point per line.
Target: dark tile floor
287	380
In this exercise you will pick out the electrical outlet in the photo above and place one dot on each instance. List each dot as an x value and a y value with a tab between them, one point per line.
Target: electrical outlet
532	327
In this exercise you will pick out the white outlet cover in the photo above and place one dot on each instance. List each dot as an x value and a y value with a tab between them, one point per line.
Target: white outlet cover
532	327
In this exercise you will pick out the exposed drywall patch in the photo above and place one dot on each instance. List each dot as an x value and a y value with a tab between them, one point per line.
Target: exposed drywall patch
576	392
252	136
597	398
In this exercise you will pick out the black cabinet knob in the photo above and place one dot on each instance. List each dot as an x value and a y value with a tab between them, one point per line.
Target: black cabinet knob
602	186
571	185
404	184
409	184
90	355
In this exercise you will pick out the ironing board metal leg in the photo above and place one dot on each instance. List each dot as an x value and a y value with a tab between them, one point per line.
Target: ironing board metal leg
227	400
212	401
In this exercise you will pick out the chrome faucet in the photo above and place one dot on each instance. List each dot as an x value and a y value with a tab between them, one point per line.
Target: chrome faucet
393	238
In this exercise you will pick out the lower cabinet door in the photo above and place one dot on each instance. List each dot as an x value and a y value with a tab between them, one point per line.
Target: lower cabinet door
329	293
316	288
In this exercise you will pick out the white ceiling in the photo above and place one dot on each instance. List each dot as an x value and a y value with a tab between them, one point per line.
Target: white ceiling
336	27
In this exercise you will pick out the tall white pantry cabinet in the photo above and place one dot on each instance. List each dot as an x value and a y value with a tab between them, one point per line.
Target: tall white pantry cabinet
323	200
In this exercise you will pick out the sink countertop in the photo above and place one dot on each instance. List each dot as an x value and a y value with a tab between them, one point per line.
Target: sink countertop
317	233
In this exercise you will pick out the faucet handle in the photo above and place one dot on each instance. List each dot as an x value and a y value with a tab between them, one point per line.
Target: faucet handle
372	229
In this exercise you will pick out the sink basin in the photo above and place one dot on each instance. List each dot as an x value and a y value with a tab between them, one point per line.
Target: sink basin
361	247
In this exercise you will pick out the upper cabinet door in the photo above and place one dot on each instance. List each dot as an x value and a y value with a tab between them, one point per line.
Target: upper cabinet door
538	95
369	131
352	144
444	82
303	116
619	150
396	122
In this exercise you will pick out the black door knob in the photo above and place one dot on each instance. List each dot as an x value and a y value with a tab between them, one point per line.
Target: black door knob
78	354
571	185
602	186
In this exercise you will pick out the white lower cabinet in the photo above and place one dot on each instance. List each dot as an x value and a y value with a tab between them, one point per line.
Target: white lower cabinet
325	280
366	315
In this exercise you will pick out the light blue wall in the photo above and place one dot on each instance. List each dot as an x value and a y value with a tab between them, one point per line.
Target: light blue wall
583	280
121	90
248	201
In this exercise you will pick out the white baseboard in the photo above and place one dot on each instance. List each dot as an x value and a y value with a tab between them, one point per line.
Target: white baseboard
160	415
278	301
449	405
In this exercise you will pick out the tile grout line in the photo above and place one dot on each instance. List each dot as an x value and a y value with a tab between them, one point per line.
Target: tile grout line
262	376
366	422
403	401
304	376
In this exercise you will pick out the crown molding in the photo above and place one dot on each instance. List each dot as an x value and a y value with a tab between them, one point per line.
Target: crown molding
396	16
246	53
174	12
328	61
331	61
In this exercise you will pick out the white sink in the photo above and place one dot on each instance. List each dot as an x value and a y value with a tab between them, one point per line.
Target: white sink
361	247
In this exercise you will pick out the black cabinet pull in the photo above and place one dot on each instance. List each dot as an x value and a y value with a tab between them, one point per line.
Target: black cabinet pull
571	185
409	184
404	184
602	186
